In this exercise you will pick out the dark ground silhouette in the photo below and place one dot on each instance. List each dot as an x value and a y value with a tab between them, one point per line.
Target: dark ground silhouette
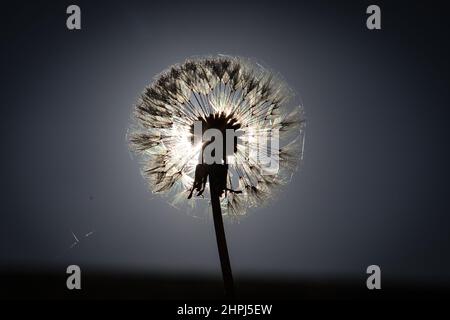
98	285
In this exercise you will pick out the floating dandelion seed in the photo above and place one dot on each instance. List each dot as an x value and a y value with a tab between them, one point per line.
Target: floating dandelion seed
222	93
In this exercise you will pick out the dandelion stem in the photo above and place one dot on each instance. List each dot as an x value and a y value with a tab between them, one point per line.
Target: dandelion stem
220	235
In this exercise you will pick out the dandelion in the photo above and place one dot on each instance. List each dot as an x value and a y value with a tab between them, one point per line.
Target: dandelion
221	93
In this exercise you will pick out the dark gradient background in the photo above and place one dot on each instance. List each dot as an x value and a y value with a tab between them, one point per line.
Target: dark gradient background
373	188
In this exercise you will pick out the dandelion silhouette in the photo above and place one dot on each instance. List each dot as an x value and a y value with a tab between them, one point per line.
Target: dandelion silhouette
221	93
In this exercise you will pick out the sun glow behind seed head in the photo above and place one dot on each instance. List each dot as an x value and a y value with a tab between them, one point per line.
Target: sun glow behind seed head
240	92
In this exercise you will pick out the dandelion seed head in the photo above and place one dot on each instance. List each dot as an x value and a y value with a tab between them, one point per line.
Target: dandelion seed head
220	92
